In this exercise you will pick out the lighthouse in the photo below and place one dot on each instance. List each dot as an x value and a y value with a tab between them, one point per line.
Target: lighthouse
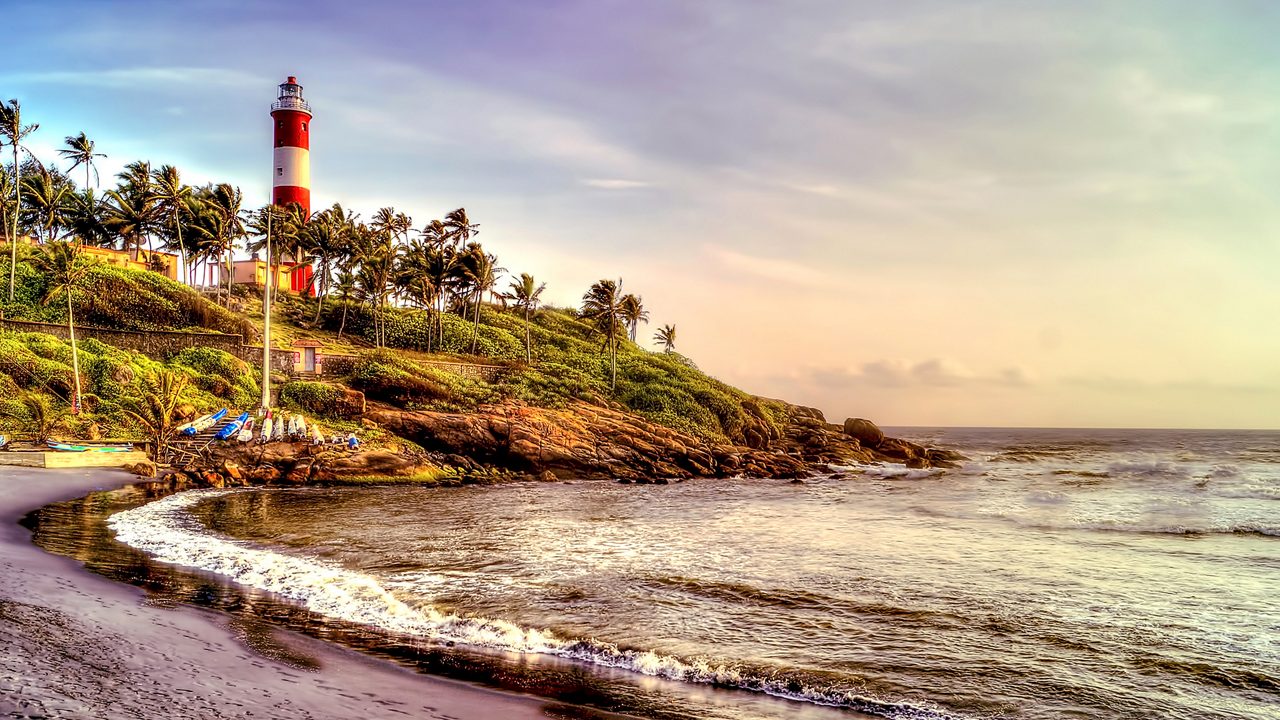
291	162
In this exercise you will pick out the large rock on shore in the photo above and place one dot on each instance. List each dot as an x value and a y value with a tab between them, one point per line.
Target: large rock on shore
582	440
864	431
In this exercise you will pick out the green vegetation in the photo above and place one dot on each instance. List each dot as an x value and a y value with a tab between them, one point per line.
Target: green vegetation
118	385
416	296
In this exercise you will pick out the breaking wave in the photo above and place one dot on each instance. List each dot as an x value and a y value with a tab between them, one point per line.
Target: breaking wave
166	530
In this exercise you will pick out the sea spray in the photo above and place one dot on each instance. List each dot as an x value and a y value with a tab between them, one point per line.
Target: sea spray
171	534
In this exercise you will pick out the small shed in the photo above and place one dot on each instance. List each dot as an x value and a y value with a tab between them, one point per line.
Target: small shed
308	348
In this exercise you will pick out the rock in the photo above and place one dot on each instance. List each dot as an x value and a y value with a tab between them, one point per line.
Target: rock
864	431
146	468
546	476
185	411
94	432
300	472
213	480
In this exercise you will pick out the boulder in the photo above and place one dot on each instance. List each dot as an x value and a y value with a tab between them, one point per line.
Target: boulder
146	468
864	431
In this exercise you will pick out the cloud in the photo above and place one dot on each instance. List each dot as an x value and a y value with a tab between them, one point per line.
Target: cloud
931	373
769	268
130	77
616	184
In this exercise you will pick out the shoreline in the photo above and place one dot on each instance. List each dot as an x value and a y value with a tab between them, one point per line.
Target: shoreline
80	645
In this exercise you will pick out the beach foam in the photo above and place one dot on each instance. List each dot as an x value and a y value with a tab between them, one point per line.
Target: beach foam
166	530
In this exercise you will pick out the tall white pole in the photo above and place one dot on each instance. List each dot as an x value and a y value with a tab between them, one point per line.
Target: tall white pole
266	324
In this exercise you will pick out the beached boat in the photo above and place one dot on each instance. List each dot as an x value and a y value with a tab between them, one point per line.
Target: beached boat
202	424
267	426
277	433
301	428
66	447
232	427
317	436
246	432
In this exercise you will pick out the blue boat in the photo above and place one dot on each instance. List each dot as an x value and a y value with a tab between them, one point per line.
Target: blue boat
204	423
232	427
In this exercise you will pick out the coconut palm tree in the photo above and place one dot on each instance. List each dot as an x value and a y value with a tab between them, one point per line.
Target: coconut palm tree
666	336
85	221
36	414
13	131
217	226
155	410
631	308
65	266
131	214
600	306
458	227
526	293
80	151
47	207
346	286
172	197
478	273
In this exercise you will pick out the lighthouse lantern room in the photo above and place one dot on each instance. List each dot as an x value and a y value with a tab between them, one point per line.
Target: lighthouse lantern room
291	161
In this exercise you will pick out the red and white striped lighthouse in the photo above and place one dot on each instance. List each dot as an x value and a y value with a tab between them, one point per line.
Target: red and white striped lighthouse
291	156
291	161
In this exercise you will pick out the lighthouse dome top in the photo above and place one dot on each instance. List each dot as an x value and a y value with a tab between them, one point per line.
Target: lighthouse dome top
290	97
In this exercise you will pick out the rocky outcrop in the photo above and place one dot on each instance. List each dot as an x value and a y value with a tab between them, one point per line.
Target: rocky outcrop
581	440
588	440
864	431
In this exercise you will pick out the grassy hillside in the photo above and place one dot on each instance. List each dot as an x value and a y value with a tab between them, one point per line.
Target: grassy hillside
36	378
115	297
569	359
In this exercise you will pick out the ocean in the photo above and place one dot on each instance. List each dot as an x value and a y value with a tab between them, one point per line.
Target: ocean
1058	574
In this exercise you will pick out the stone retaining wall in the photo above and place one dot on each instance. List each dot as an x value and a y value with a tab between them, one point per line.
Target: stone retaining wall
159	344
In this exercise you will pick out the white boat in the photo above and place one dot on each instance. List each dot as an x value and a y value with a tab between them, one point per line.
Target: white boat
246	432
301	428
277	432
317	436
202	423
267	427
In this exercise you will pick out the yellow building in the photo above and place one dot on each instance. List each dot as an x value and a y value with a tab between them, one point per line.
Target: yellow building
154	260
254	272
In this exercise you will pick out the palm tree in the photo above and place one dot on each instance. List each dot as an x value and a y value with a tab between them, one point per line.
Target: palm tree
526	293
155	409
631	308
459	228
666	336
12	129
171	197
600	306
79	149
218	225
131	214
478	272
346	285
83	219
38	415
65	266
48	207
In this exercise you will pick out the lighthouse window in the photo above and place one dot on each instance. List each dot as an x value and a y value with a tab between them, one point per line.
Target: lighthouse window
304	127
279	172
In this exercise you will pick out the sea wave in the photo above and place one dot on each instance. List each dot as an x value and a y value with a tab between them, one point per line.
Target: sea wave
166	530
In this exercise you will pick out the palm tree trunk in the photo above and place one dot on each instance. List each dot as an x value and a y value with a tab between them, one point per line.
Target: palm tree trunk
17	210
475	329
528	348
343	325
75	355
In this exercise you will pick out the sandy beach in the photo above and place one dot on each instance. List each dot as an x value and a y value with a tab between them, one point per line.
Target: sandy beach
76	645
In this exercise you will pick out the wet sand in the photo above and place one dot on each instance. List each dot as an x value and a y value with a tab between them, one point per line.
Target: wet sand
76	645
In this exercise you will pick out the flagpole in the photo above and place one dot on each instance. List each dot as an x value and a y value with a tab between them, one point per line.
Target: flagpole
266	324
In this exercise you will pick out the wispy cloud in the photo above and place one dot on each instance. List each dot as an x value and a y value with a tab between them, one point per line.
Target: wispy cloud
769	268
129	77
616	184
932	373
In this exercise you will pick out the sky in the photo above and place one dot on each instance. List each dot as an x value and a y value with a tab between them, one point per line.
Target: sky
1008	213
